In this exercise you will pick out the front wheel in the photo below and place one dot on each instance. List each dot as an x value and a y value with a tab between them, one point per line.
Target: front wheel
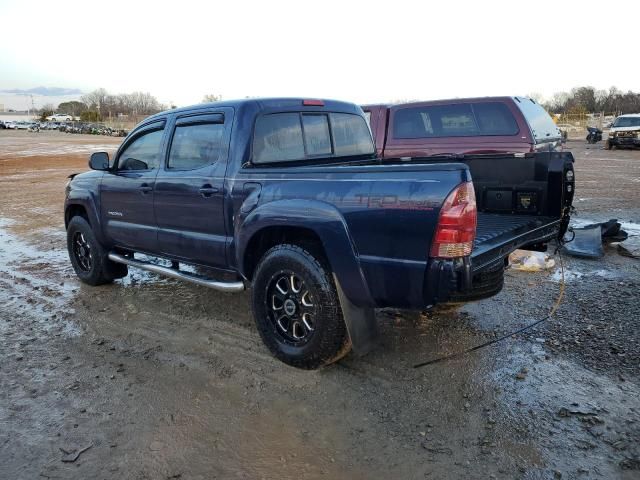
297	310
88	258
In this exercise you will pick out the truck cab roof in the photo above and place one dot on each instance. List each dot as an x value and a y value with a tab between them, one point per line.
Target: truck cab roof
261	104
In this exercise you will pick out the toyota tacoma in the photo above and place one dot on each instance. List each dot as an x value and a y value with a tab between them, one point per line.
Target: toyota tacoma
288	197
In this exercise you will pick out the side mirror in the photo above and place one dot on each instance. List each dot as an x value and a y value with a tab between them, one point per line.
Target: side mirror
99	161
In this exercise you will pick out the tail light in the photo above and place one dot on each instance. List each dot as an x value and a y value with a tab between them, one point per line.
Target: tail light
456	229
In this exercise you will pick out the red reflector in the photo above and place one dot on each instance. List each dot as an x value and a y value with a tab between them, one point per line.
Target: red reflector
456	229
313	103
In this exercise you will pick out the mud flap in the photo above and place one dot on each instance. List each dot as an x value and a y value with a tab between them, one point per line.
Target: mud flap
361	323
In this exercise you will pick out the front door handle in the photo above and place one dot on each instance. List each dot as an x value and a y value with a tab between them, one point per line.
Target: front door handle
208	190
145	188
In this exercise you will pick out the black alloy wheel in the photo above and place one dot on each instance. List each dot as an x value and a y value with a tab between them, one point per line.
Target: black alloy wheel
290	307
82	252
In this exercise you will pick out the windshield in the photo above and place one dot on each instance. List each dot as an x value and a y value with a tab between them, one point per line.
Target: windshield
627	122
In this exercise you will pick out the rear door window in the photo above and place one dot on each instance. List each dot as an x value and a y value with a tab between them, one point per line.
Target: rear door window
196	145
541	124
454	120
290	136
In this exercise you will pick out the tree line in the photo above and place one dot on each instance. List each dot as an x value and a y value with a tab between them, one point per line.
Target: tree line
100	105
590	100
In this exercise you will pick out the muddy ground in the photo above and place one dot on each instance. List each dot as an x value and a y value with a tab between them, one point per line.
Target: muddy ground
158	379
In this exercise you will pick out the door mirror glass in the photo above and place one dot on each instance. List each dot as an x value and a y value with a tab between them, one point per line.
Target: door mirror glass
99	161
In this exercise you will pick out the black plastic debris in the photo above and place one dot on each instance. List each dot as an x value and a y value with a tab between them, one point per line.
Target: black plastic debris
611	231
587	240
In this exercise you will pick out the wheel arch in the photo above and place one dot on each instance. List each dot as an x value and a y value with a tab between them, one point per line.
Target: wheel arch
78	204
312	224
75	210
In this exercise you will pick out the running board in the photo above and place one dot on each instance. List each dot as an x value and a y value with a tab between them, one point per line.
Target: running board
173	273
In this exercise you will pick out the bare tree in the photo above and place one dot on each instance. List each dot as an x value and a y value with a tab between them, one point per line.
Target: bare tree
49	107
96	100
73	107
105	104
588	99
211	97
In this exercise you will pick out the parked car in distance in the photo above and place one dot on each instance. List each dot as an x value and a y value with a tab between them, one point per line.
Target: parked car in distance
22	125
624	132
10	124
288	197
60	117
462	126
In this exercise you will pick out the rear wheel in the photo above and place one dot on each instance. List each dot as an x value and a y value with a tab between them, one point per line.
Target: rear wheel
296	308
88	257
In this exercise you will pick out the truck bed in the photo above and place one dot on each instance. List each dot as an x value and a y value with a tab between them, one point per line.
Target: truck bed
497	234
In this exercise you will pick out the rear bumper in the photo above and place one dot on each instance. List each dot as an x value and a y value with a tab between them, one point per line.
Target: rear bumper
480	275
419	284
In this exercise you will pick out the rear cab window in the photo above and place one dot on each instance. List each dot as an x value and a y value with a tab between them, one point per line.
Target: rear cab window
298	136
454	120
542	126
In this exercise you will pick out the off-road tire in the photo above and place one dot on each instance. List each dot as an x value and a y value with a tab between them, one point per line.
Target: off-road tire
329	340
101	270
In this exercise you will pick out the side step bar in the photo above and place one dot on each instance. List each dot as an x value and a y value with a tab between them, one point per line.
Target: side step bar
173	273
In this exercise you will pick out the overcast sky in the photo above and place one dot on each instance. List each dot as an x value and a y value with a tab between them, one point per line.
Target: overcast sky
357	51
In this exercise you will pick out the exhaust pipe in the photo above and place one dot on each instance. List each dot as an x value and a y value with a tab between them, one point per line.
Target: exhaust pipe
173	273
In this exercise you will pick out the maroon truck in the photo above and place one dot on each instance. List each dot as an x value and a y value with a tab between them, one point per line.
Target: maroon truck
462	126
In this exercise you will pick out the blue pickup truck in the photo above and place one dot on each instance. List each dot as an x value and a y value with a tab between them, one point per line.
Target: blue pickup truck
288	197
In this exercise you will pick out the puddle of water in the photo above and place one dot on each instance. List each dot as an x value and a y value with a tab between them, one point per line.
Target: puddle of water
138	276
37	281
554	385
572	274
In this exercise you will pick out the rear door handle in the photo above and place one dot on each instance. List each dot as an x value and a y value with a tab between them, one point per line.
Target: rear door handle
145	188
208	190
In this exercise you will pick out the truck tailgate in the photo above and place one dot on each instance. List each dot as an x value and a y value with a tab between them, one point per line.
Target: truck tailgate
497	235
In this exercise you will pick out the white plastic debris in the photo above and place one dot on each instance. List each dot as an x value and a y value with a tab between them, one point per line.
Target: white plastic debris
527	261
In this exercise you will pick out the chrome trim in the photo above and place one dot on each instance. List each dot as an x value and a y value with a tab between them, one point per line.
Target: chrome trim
173	273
